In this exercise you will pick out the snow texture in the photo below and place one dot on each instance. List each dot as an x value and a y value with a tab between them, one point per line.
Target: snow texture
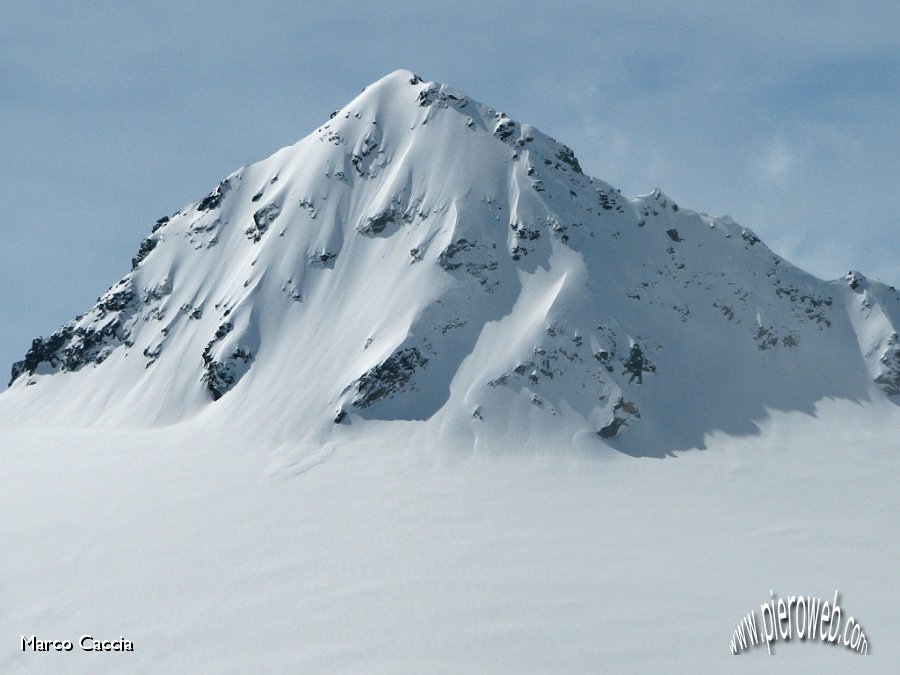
422	254
383	402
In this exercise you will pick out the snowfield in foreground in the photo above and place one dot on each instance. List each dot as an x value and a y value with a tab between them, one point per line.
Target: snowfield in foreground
387	554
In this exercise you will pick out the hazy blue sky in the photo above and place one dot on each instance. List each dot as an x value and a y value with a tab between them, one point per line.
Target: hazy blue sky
785	115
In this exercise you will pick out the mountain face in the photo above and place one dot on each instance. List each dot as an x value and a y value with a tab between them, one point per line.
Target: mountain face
424	257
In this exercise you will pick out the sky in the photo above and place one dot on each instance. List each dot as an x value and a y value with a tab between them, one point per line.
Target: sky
782	115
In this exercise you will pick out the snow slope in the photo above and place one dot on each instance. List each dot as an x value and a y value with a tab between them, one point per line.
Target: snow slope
394	553
423	256
390	401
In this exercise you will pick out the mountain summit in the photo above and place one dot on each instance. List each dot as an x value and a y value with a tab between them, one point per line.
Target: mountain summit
424	257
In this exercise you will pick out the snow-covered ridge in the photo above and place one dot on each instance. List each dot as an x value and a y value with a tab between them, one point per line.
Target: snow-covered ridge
422	256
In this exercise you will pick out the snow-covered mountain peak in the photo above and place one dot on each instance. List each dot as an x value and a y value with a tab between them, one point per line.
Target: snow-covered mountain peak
421	256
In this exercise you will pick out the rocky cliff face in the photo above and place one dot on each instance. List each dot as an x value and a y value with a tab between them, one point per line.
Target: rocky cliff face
423	256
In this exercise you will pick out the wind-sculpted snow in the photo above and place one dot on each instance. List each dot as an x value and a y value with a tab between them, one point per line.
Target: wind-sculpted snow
422	256
875	312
